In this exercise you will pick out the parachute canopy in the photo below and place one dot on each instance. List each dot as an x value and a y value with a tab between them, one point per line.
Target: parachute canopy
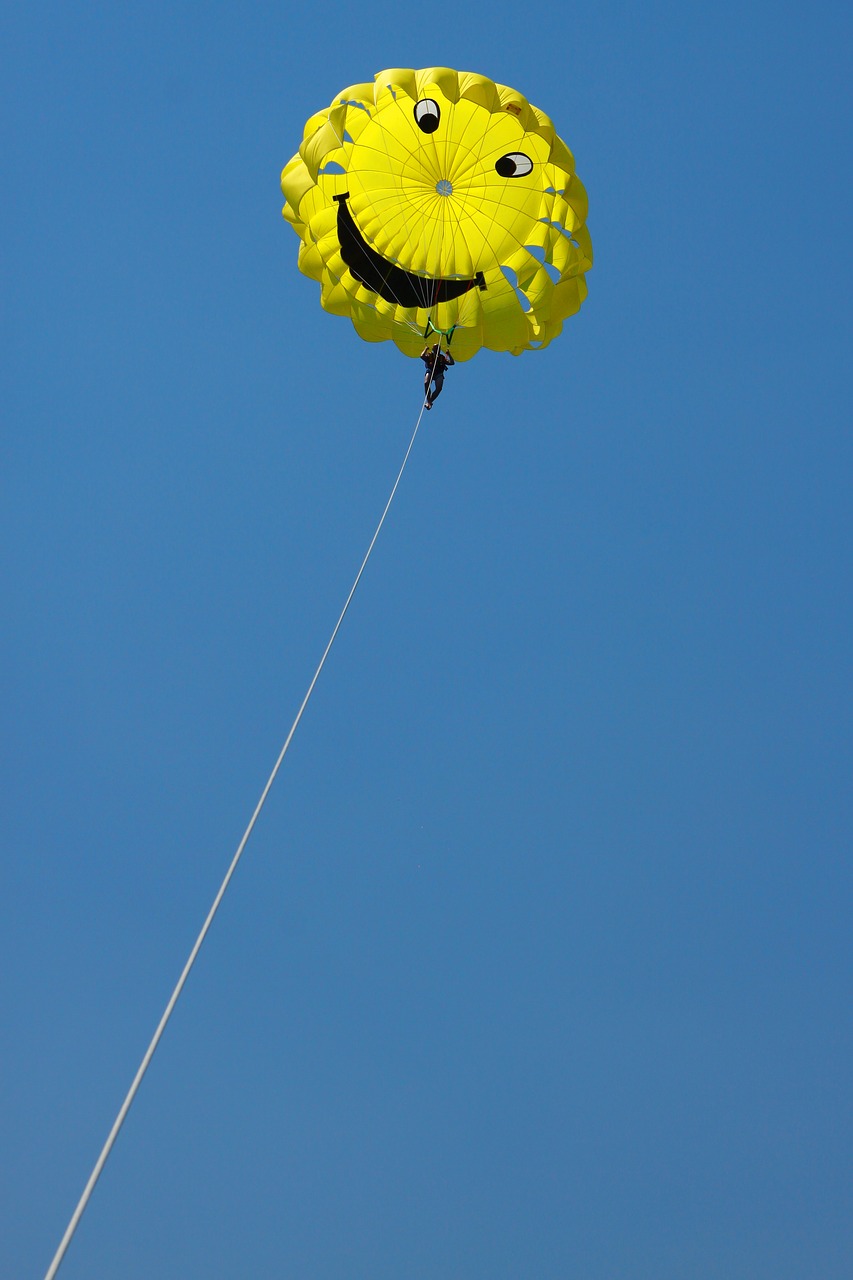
437	201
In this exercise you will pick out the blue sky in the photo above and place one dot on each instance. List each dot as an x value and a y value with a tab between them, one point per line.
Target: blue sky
538	963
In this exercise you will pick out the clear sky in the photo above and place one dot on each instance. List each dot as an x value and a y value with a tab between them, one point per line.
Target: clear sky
539	962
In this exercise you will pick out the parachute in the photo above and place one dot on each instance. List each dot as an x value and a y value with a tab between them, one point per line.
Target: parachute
439	202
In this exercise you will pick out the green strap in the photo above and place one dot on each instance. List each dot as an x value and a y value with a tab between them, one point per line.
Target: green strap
444	333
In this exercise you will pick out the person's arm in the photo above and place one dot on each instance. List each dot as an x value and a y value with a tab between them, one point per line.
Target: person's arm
449	358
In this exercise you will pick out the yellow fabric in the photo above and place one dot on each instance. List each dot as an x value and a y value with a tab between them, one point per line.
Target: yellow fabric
423	211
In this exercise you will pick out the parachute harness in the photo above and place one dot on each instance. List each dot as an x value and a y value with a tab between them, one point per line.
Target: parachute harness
442	333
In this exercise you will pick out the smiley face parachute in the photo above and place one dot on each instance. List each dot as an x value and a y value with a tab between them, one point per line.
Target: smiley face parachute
439	202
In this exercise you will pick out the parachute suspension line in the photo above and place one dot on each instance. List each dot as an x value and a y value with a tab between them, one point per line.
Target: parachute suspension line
173	1000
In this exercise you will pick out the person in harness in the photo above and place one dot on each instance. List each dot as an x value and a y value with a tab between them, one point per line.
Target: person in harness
436	362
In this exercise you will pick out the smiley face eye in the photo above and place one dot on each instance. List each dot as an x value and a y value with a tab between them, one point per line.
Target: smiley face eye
427	115
514	165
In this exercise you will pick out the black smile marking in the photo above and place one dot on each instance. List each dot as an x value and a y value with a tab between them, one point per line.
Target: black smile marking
393	283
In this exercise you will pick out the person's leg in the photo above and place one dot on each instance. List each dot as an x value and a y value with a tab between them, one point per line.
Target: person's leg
438	383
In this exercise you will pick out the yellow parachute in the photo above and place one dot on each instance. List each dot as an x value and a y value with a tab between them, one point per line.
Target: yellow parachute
437	201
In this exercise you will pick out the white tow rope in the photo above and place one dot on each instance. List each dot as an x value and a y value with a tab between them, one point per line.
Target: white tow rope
149	1053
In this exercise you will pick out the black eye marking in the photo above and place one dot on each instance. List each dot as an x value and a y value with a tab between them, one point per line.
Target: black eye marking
427	115
514	165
